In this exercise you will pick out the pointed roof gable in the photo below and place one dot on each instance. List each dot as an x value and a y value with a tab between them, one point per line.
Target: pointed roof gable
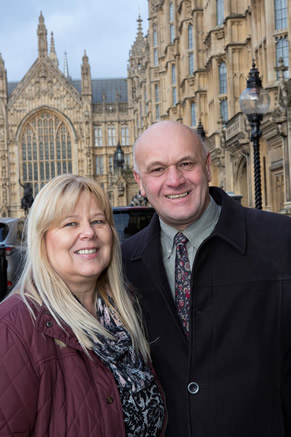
102	89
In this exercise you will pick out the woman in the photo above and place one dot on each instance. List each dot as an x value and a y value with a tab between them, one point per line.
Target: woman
74	360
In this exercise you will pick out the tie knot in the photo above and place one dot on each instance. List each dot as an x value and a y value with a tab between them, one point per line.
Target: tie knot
180	238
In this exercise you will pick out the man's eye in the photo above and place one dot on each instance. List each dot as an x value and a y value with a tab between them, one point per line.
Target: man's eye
157	170
187	165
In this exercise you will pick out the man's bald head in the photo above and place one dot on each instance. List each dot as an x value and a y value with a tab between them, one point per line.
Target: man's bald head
164	128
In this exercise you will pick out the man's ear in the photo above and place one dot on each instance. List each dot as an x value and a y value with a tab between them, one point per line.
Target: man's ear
139	182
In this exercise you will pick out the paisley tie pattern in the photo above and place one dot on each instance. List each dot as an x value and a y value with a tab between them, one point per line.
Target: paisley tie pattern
182	280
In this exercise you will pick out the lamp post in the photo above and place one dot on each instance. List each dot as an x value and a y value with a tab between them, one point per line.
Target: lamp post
254	102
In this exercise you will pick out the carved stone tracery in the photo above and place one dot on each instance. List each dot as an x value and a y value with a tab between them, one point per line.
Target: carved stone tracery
156	4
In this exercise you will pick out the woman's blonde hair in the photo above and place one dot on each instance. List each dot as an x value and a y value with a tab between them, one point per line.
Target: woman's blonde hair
40	282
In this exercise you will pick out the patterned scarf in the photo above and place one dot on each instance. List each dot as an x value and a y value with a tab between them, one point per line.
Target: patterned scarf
128	367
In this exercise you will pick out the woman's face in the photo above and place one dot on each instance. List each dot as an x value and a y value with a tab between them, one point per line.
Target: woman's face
80	249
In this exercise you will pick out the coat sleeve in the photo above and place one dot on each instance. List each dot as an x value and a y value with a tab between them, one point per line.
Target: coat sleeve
19	384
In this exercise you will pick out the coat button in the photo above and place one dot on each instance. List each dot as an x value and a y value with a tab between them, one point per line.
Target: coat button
49	323
193	388
109	400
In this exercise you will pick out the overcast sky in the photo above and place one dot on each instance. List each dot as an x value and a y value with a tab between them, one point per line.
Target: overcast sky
106	29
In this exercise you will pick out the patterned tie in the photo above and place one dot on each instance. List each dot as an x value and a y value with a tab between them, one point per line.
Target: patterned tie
182	280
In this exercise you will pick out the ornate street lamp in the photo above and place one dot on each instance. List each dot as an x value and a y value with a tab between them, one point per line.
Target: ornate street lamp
254	102
118	159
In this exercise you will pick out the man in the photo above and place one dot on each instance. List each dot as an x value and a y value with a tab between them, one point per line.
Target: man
222	349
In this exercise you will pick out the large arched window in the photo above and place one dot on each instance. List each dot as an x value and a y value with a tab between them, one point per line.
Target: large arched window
46	149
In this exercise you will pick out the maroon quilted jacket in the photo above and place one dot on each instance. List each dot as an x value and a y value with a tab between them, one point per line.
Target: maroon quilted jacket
50	388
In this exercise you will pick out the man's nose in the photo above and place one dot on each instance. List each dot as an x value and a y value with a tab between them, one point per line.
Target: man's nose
175	176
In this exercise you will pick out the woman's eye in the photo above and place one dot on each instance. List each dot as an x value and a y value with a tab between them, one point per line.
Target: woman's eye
67	225
98	222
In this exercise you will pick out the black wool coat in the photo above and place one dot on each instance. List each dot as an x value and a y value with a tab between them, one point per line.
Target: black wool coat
232	378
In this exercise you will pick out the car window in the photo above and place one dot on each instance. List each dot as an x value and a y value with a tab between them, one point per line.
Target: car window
4	229
129	222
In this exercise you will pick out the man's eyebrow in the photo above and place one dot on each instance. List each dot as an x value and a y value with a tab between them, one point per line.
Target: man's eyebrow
187	158
150	164
162	164
154	164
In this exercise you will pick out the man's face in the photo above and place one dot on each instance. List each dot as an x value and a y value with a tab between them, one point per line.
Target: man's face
173	171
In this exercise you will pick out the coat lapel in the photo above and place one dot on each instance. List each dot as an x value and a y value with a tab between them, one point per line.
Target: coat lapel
150	254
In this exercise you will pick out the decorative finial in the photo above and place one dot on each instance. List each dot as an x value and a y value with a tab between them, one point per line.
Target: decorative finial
254	79
281	68
42	37
53	54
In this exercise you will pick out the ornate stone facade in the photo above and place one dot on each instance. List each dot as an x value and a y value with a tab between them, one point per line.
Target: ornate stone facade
193	66
51	124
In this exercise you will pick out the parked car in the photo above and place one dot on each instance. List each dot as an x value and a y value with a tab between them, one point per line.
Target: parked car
129	220
12	238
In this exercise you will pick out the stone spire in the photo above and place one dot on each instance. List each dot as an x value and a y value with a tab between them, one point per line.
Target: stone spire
86	76
53	55
139	44
66	66
137	54
42	38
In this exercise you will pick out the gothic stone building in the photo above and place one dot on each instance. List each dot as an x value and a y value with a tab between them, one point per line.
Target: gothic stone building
51	124
192	67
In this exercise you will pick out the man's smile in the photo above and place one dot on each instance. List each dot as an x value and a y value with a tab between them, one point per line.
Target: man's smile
178	196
